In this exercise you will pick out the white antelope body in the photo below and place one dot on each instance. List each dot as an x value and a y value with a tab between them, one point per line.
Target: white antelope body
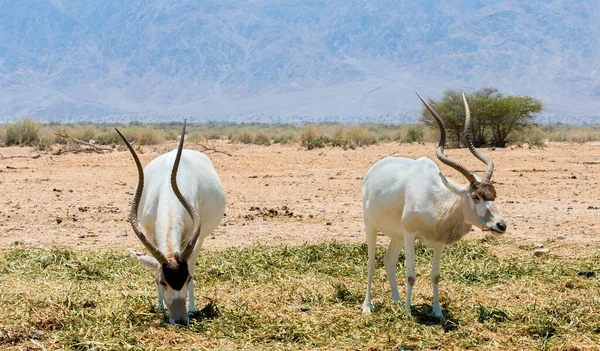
179	200
406	199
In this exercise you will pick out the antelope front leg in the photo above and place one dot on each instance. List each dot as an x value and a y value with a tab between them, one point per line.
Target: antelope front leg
160	307
192	307
435	279
411	275
371	234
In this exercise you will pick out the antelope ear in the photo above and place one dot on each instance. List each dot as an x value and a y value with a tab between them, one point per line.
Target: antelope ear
452	185
146	260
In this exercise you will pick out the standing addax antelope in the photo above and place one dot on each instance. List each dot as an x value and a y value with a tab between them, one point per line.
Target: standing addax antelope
406	199
179	200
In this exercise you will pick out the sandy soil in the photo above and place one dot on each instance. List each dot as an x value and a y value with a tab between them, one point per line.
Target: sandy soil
82	201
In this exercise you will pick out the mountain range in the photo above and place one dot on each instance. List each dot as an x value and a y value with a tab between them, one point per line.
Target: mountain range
291	61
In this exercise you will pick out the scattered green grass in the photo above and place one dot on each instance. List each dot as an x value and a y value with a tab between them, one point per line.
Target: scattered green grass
298	297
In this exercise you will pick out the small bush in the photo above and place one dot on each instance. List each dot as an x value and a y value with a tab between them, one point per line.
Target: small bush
244	136
532	136
212	135
195	137
23	133
360	136
109	138
414	133
83	133
308	134
262	138
148	136
285	138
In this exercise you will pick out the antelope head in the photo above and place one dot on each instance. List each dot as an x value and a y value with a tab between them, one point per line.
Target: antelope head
172	273
477	199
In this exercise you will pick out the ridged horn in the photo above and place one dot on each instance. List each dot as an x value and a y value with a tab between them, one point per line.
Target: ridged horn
469	141
442	143
154	251
189	248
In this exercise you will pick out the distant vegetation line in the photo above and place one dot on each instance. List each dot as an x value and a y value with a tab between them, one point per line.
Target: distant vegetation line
31	133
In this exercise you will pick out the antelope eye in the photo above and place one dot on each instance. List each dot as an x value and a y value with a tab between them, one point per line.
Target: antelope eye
475	197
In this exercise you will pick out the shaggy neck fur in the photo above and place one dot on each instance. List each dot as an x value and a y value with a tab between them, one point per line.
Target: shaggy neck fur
451	225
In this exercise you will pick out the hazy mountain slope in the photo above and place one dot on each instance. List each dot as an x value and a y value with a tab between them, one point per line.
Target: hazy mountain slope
290	60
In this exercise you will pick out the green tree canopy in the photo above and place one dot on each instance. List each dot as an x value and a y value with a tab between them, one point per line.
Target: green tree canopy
494	115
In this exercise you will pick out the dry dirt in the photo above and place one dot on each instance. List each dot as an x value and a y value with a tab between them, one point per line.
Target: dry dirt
80	201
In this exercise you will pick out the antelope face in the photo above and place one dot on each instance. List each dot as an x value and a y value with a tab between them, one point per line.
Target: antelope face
173	279
480	209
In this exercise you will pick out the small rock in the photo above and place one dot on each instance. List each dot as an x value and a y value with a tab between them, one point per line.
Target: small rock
561	237
587	273
328	223
541	252
59	220
593	208
81	236
57	190
305	309
538	245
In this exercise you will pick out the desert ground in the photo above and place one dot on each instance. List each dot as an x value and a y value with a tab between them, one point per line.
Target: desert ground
284	194
69	284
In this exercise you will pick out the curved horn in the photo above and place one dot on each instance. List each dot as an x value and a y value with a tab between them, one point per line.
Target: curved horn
189	248
469	141
154	251
440	149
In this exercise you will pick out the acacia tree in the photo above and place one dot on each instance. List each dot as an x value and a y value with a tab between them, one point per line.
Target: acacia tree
452	113
511	113
494	116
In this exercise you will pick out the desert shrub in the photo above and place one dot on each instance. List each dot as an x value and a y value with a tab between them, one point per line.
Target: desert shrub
359	136
83	133
148	136
212	135
171	134
194	137
23	133
317	143
308	134
532	136
46	139
243	136
285	138
109	137
414	133
262	138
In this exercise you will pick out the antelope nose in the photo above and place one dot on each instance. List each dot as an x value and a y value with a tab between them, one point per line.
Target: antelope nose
501	225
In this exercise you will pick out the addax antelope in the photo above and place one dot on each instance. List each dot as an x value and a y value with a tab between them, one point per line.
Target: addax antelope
178	201
406	199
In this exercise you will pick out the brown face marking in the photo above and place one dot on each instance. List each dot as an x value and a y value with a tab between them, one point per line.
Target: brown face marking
485	190
176	272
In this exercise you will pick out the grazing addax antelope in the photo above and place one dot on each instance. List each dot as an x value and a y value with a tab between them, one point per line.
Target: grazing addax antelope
406	199
179	200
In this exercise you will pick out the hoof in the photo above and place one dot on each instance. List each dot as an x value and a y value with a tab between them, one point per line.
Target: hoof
367	307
